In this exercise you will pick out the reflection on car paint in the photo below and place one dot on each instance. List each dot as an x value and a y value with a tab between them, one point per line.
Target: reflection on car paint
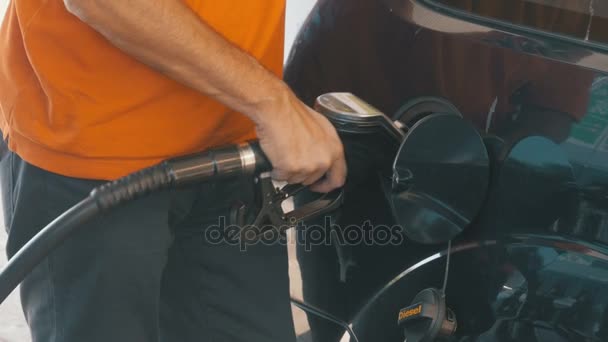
541	107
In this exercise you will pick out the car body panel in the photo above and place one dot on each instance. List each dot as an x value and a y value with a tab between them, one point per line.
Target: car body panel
539	102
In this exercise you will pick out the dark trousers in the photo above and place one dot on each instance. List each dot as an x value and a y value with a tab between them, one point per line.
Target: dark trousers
145	271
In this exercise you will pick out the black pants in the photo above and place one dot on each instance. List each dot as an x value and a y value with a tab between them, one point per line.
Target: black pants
145	271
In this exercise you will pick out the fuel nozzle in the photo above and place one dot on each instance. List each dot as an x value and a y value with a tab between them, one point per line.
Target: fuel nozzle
219	163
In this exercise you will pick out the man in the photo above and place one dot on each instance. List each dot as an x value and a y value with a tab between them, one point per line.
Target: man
91	90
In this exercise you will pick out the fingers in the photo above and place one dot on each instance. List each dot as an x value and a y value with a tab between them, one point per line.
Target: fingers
314	177
304	177
298	174
322	167
298	178
335	175
306	170
333	179
303	149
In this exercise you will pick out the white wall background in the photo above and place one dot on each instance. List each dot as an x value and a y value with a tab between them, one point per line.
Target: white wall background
297	10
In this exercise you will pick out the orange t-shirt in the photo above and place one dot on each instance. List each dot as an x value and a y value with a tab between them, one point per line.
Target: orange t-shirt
73	104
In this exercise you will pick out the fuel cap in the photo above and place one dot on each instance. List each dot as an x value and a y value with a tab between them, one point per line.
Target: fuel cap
440	178
427	319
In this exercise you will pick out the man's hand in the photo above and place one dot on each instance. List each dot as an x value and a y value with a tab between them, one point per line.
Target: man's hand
302	146
169	37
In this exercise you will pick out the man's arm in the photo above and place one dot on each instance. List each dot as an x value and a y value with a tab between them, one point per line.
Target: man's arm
167	36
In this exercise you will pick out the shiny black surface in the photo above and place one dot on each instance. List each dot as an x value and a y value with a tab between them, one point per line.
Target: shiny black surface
439	147
526	288
528	39
540	105
509	97
582	20
540	166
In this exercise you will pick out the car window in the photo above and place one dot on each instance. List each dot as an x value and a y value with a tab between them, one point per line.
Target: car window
586	20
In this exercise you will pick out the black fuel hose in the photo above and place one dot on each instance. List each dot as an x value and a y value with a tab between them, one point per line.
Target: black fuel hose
220	163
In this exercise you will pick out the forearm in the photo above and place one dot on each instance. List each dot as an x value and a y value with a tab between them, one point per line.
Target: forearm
169	37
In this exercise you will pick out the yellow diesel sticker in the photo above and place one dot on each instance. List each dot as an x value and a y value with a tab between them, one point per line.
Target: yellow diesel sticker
410	311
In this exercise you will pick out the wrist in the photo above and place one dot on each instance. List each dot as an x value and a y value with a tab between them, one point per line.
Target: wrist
272	106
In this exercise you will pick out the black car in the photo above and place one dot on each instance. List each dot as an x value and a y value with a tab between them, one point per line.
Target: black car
499	184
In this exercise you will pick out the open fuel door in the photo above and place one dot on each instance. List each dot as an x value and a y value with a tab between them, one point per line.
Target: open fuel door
440	178
441	171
